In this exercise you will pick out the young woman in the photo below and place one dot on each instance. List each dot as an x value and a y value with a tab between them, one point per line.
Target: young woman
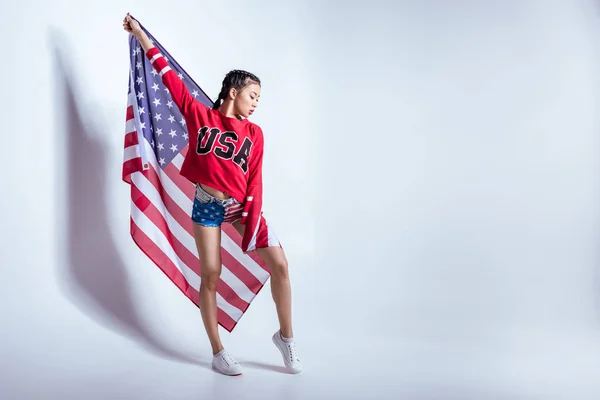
225	163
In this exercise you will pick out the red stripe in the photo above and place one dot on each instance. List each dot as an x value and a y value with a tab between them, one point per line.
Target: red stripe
151	52
225	320
131	166
231	295
262	237
131	139
184	151
129	113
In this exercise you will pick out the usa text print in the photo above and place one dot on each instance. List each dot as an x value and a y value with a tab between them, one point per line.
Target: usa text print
225	145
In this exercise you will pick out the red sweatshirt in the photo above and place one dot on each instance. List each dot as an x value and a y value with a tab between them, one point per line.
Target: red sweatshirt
224	153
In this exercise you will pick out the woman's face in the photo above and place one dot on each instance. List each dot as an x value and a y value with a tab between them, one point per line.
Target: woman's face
246	100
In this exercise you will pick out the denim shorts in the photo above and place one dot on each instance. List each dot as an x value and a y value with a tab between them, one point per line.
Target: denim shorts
209	210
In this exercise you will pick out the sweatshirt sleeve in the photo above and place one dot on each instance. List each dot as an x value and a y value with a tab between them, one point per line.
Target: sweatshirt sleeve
252	212
180	94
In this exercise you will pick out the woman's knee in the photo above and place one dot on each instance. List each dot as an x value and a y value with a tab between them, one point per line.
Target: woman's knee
210	278
279	269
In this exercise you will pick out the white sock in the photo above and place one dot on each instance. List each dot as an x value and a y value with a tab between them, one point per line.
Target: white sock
287	340
219	353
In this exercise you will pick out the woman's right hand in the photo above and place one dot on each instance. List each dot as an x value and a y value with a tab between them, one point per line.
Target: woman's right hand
131	25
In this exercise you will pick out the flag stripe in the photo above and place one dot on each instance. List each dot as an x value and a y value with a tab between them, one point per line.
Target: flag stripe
178	159
129	114
130	128
131	166
131	139
130	153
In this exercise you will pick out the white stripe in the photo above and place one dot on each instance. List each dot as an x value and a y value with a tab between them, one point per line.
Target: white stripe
234	312
155	57
178	161
188	241
129	126
237	210
271	237
251	265
237	285
252	244
164	70
231	220
231	216
250	198
156	235
131	152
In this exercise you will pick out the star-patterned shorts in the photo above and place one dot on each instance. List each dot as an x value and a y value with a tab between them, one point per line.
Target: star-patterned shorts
212	211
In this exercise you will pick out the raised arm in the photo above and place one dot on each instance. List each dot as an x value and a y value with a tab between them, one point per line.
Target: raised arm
186	103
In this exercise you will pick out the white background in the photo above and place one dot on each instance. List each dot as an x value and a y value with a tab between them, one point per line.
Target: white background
431	168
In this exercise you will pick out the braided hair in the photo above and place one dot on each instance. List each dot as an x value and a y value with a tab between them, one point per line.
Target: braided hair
237	79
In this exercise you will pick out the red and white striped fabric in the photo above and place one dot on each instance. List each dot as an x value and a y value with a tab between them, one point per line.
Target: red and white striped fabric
161	203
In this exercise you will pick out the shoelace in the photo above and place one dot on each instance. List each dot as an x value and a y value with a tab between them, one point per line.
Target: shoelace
228	359
293	352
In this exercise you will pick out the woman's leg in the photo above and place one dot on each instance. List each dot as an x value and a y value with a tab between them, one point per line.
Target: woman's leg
208	242
281	289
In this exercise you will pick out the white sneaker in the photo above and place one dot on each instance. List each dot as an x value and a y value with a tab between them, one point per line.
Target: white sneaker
223	362
288	352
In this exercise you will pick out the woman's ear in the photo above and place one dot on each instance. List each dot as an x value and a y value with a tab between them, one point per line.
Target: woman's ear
232	93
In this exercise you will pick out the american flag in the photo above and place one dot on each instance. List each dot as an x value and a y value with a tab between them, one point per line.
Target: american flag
156	142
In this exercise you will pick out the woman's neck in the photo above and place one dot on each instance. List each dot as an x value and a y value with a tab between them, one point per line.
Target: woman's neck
227	109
